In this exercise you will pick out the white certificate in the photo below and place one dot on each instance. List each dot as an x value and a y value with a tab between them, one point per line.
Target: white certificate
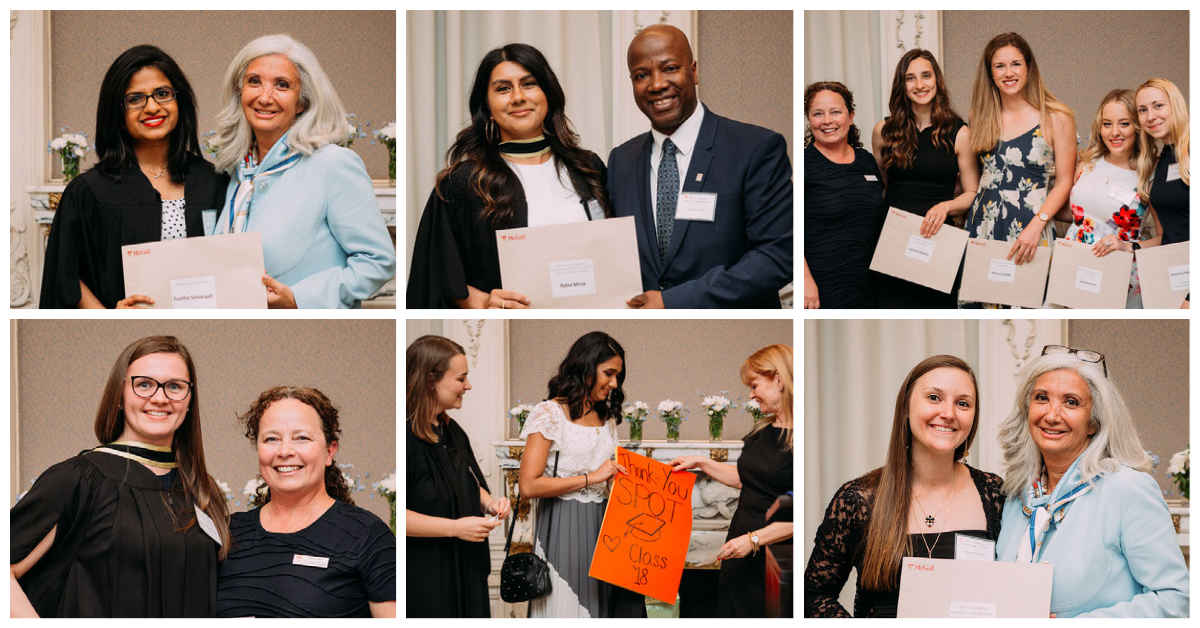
990	278
204	272
903	253
1079	279
932	587
580	265
1164	275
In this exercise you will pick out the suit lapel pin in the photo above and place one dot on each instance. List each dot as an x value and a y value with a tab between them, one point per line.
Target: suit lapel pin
699	177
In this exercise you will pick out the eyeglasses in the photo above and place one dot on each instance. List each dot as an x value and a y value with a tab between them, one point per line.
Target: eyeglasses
147	387
1083	354
138	101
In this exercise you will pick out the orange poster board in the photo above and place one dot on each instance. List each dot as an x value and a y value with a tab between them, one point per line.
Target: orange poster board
646	529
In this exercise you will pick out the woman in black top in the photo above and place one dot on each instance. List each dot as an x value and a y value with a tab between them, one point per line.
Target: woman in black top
843	202
152	183
307	551
518	123
1165	182
763	473
447	502
135	527
912	506
923	149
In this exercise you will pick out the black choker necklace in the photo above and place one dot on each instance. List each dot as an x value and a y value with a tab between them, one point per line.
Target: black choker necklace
151	455
526	148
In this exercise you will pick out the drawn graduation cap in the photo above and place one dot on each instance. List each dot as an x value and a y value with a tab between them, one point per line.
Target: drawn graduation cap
646	527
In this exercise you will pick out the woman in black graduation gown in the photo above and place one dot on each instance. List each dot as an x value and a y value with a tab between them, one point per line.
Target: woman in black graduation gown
763	473
447	501
517	165
151	183
135	527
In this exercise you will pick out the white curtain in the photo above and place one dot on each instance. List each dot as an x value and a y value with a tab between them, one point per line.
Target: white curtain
844	46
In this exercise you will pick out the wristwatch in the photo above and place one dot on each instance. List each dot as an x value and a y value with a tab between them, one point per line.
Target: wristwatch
1137	246
1044	217
754	542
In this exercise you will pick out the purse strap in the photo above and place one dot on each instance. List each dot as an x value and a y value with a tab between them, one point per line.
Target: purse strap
517	509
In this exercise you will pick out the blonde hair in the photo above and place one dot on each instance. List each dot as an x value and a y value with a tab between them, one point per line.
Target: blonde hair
1097	148
985	97
1115	442
772	361
1180	133
322	122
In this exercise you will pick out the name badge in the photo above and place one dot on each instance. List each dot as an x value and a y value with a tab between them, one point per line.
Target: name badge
1173	172
871	177
696	206
206	525
209	218
319	562
972	548
594	210
1123	195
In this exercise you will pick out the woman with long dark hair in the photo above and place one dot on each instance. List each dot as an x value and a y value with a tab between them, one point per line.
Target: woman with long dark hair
518	164
917	504
305	509
923	149
136	526
570	441
152	183
448	509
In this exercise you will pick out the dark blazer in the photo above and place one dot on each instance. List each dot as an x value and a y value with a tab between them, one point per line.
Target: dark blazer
743	257
456	248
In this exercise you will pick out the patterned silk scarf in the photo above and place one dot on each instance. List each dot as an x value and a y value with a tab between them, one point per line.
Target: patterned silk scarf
249	174
1046	510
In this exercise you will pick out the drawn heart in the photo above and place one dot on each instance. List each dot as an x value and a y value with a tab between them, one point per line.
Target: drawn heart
611	542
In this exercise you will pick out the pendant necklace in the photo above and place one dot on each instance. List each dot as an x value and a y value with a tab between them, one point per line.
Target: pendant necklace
156	176
928	549
931	519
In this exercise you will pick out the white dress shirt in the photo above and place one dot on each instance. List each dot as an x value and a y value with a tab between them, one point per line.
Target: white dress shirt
684	139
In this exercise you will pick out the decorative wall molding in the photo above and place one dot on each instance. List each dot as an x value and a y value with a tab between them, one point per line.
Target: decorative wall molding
903	31
474	331
19	284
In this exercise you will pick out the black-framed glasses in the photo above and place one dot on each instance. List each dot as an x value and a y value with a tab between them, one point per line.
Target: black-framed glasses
160	96
147	387
1086	355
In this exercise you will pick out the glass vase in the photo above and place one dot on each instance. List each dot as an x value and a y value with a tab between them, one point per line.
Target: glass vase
672	433
715	427
635	431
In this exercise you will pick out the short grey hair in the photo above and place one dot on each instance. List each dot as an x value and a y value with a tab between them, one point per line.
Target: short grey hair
1115	443
322	122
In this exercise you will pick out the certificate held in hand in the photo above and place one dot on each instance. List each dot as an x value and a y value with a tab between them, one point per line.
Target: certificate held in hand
1079	279
935	587
903	253
580	265
198	273
1164	274
990	278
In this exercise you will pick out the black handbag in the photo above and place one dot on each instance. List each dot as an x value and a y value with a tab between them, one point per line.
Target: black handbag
524	576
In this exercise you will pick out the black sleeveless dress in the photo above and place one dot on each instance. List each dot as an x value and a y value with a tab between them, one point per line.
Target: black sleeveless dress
929	181
843	214
1170	200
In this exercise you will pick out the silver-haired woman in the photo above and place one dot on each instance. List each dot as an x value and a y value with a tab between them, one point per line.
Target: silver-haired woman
1079	496
324	241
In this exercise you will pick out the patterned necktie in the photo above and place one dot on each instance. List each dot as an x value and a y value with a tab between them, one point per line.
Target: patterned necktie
668	195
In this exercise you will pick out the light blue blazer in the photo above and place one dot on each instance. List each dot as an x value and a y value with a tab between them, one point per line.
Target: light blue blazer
1114	555
322	233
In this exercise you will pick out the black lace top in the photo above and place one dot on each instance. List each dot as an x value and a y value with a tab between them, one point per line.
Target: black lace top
841	544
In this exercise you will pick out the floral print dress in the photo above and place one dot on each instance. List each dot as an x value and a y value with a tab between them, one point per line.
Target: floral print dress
1104	202
1016	176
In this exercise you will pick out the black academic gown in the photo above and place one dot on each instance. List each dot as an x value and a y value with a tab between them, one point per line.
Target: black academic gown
119	549
98	215
447	577
455	248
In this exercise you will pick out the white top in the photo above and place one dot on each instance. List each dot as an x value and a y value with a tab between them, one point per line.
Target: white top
174	225
684	139
552	201
583	448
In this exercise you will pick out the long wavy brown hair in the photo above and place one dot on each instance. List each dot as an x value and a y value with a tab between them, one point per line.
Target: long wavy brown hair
491	177
426	361
900	129
887	533
187	442
335	482
810	92
985	96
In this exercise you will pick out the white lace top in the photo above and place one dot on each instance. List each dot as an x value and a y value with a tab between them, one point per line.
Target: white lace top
583	448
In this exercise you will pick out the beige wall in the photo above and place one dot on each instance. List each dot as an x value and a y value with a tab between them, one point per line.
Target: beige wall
357	49
62	367
745	63
665	359
1083	55
1148	360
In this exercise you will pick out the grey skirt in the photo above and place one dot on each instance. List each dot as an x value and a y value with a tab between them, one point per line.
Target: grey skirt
567	531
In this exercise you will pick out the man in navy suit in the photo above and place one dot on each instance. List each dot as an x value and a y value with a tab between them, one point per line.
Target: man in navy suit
711	197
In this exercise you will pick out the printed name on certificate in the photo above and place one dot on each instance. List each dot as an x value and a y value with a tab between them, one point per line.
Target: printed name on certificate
1002	270
1180	277
1088	279
195	293
572	278
920	249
